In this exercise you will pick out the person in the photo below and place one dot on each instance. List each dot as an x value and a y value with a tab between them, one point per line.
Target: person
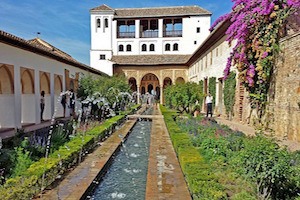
42	104
63	103
72	102
208	102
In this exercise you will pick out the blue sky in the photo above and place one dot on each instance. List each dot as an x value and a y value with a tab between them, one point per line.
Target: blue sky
66	23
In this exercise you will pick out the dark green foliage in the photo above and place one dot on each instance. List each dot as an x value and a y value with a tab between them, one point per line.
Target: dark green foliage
59	137
229	93
212	88
89	85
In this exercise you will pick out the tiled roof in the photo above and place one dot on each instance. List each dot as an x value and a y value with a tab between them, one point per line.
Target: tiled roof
151	59
156	12
43	48
39	41
102	8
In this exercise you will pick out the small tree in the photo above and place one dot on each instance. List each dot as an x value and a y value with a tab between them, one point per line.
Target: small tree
183	97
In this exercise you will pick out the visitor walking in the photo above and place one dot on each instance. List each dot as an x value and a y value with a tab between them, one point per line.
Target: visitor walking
208	102
64	103
72	103
42	104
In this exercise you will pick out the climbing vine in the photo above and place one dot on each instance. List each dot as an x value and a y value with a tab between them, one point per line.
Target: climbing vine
201	87
229	93
212	88
256	27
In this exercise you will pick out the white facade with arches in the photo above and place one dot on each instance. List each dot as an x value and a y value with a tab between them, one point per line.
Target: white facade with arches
26	69
145	31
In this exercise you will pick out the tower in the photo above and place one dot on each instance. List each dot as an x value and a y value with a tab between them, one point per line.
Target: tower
101	38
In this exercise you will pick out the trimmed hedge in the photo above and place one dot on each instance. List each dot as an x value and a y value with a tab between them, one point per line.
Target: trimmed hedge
29	183
202	182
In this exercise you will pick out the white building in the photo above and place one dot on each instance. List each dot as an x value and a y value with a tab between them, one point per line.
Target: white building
209	60
145	31
28	67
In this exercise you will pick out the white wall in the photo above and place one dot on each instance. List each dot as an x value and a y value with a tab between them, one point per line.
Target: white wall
190	32
7	111
27	107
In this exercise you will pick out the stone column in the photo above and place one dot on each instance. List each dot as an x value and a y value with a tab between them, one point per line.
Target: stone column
137	28
37	92
160	28
53	101
18	96
161	94
138	94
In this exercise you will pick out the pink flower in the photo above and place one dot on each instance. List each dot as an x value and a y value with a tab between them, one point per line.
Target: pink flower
264	55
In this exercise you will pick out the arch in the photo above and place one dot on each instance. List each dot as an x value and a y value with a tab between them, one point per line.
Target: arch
149	88
132	83
57	85
175	47
27	82
152	47
150	81
179	80
167	82
144	47
106	22
6	81
121	47
44	83
128	47
157	89
167	47
98	23
143	90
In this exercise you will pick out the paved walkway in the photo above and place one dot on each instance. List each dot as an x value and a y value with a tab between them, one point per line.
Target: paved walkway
10	132
250	131
165	179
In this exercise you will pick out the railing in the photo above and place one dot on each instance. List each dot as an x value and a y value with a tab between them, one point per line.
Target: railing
149	34
175	33
126	35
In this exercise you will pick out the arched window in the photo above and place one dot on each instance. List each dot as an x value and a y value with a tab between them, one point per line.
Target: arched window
121	47
175	47
144	47
167	47
128	47
152	48
98	23
106	23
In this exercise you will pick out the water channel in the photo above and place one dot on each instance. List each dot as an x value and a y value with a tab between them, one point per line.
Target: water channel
127	175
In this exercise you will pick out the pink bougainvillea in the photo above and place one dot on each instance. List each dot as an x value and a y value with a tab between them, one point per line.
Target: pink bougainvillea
256	27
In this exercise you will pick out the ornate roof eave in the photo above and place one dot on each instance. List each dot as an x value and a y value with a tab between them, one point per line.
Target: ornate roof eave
160	16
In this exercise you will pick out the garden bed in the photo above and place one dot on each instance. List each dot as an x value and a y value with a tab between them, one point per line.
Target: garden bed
219	163
60	161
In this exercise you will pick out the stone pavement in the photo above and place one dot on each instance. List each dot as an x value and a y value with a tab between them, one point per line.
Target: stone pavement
165	179
74	185
250	131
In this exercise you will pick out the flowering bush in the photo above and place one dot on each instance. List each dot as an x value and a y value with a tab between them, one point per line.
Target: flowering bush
256	27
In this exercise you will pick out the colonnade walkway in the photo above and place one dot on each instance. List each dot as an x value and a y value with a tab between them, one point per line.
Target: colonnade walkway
165	179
